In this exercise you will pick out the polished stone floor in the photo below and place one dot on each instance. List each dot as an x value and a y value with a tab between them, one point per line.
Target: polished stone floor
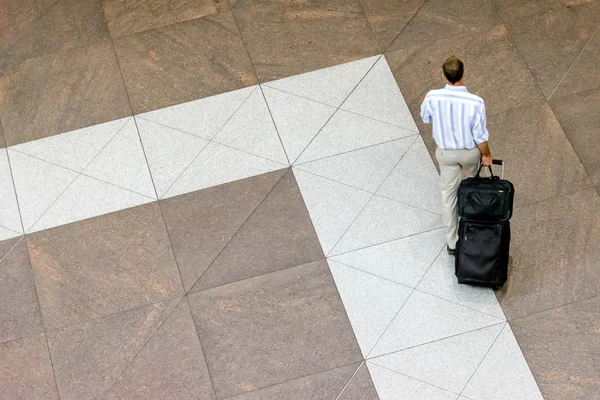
214	200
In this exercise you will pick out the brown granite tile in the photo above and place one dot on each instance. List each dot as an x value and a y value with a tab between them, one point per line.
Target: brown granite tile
17	15
551	40
324	385
286	38
132	16
61	92
555	254
103	265
520	8
273	328
580	120
442	19
278	235
489	58
183	62
585	74
200	224
389	17
25	370
89	358
170	366
360	387
539	158
562	347
20	313
2	142
63	25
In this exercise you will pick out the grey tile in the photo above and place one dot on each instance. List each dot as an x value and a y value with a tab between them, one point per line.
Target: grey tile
103	265
25	370
324	385
89	358
278	235
360	387
20	314
273	328
170	366
200	224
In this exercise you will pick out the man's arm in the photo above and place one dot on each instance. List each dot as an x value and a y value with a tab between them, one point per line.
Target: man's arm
481	136
426	110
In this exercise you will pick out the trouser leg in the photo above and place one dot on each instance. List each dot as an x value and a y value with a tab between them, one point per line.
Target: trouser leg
450	171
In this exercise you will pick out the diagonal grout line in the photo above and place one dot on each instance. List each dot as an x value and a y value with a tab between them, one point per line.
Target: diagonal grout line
349	380
11	249
484	357
297	95
242	226
574	62
371	198
404	27
417	379
339	107
274	125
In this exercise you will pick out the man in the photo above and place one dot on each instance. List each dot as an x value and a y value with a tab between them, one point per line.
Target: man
459	130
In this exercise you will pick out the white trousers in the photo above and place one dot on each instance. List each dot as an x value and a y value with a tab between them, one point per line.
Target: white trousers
452	163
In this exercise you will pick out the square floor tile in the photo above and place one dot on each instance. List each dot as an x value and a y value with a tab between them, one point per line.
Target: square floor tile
550	39
278	235
539	159
564	268
103	265
489	56
60	92
132	16
10	220
288	38
250	329
581	127
20	313
361	386
571	369
46	27
183	62
200	224
26	371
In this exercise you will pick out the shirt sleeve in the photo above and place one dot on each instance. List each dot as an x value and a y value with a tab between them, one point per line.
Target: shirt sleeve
480	132
426	110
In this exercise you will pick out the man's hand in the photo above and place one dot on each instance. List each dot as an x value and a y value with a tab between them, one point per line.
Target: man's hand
487	160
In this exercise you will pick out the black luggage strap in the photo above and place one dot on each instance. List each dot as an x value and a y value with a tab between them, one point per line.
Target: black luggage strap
492	176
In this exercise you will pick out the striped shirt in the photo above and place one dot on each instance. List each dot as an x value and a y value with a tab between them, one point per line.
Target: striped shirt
458	117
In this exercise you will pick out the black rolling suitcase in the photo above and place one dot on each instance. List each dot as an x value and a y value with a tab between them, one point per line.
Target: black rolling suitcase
485	207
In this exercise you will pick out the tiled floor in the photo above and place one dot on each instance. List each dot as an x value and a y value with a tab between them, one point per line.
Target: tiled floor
231	200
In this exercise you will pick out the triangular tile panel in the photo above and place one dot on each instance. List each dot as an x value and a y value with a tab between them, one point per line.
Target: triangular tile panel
170	366
415	180
384	220
441	281
346	131
251	129
10	220
332	206
122	163
448	363
394	386
298	120
371	302
108	346
425	319
403	261
169	152
504	373
328	85
200	224
202	117
378	97
218	164
38	184
364	169
86	198
360	387
76	149
278	235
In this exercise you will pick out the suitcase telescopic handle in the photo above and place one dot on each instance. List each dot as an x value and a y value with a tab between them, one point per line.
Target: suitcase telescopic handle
494	162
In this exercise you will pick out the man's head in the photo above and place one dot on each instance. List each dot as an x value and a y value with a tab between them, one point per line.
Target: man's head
454	70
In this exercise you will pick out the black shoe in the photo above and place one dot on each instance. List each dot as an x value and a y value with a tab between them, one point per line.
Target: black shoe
452	252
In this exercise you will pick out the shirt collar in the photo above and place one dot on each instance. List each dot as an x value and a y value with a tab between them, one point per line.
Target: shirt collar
457	88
